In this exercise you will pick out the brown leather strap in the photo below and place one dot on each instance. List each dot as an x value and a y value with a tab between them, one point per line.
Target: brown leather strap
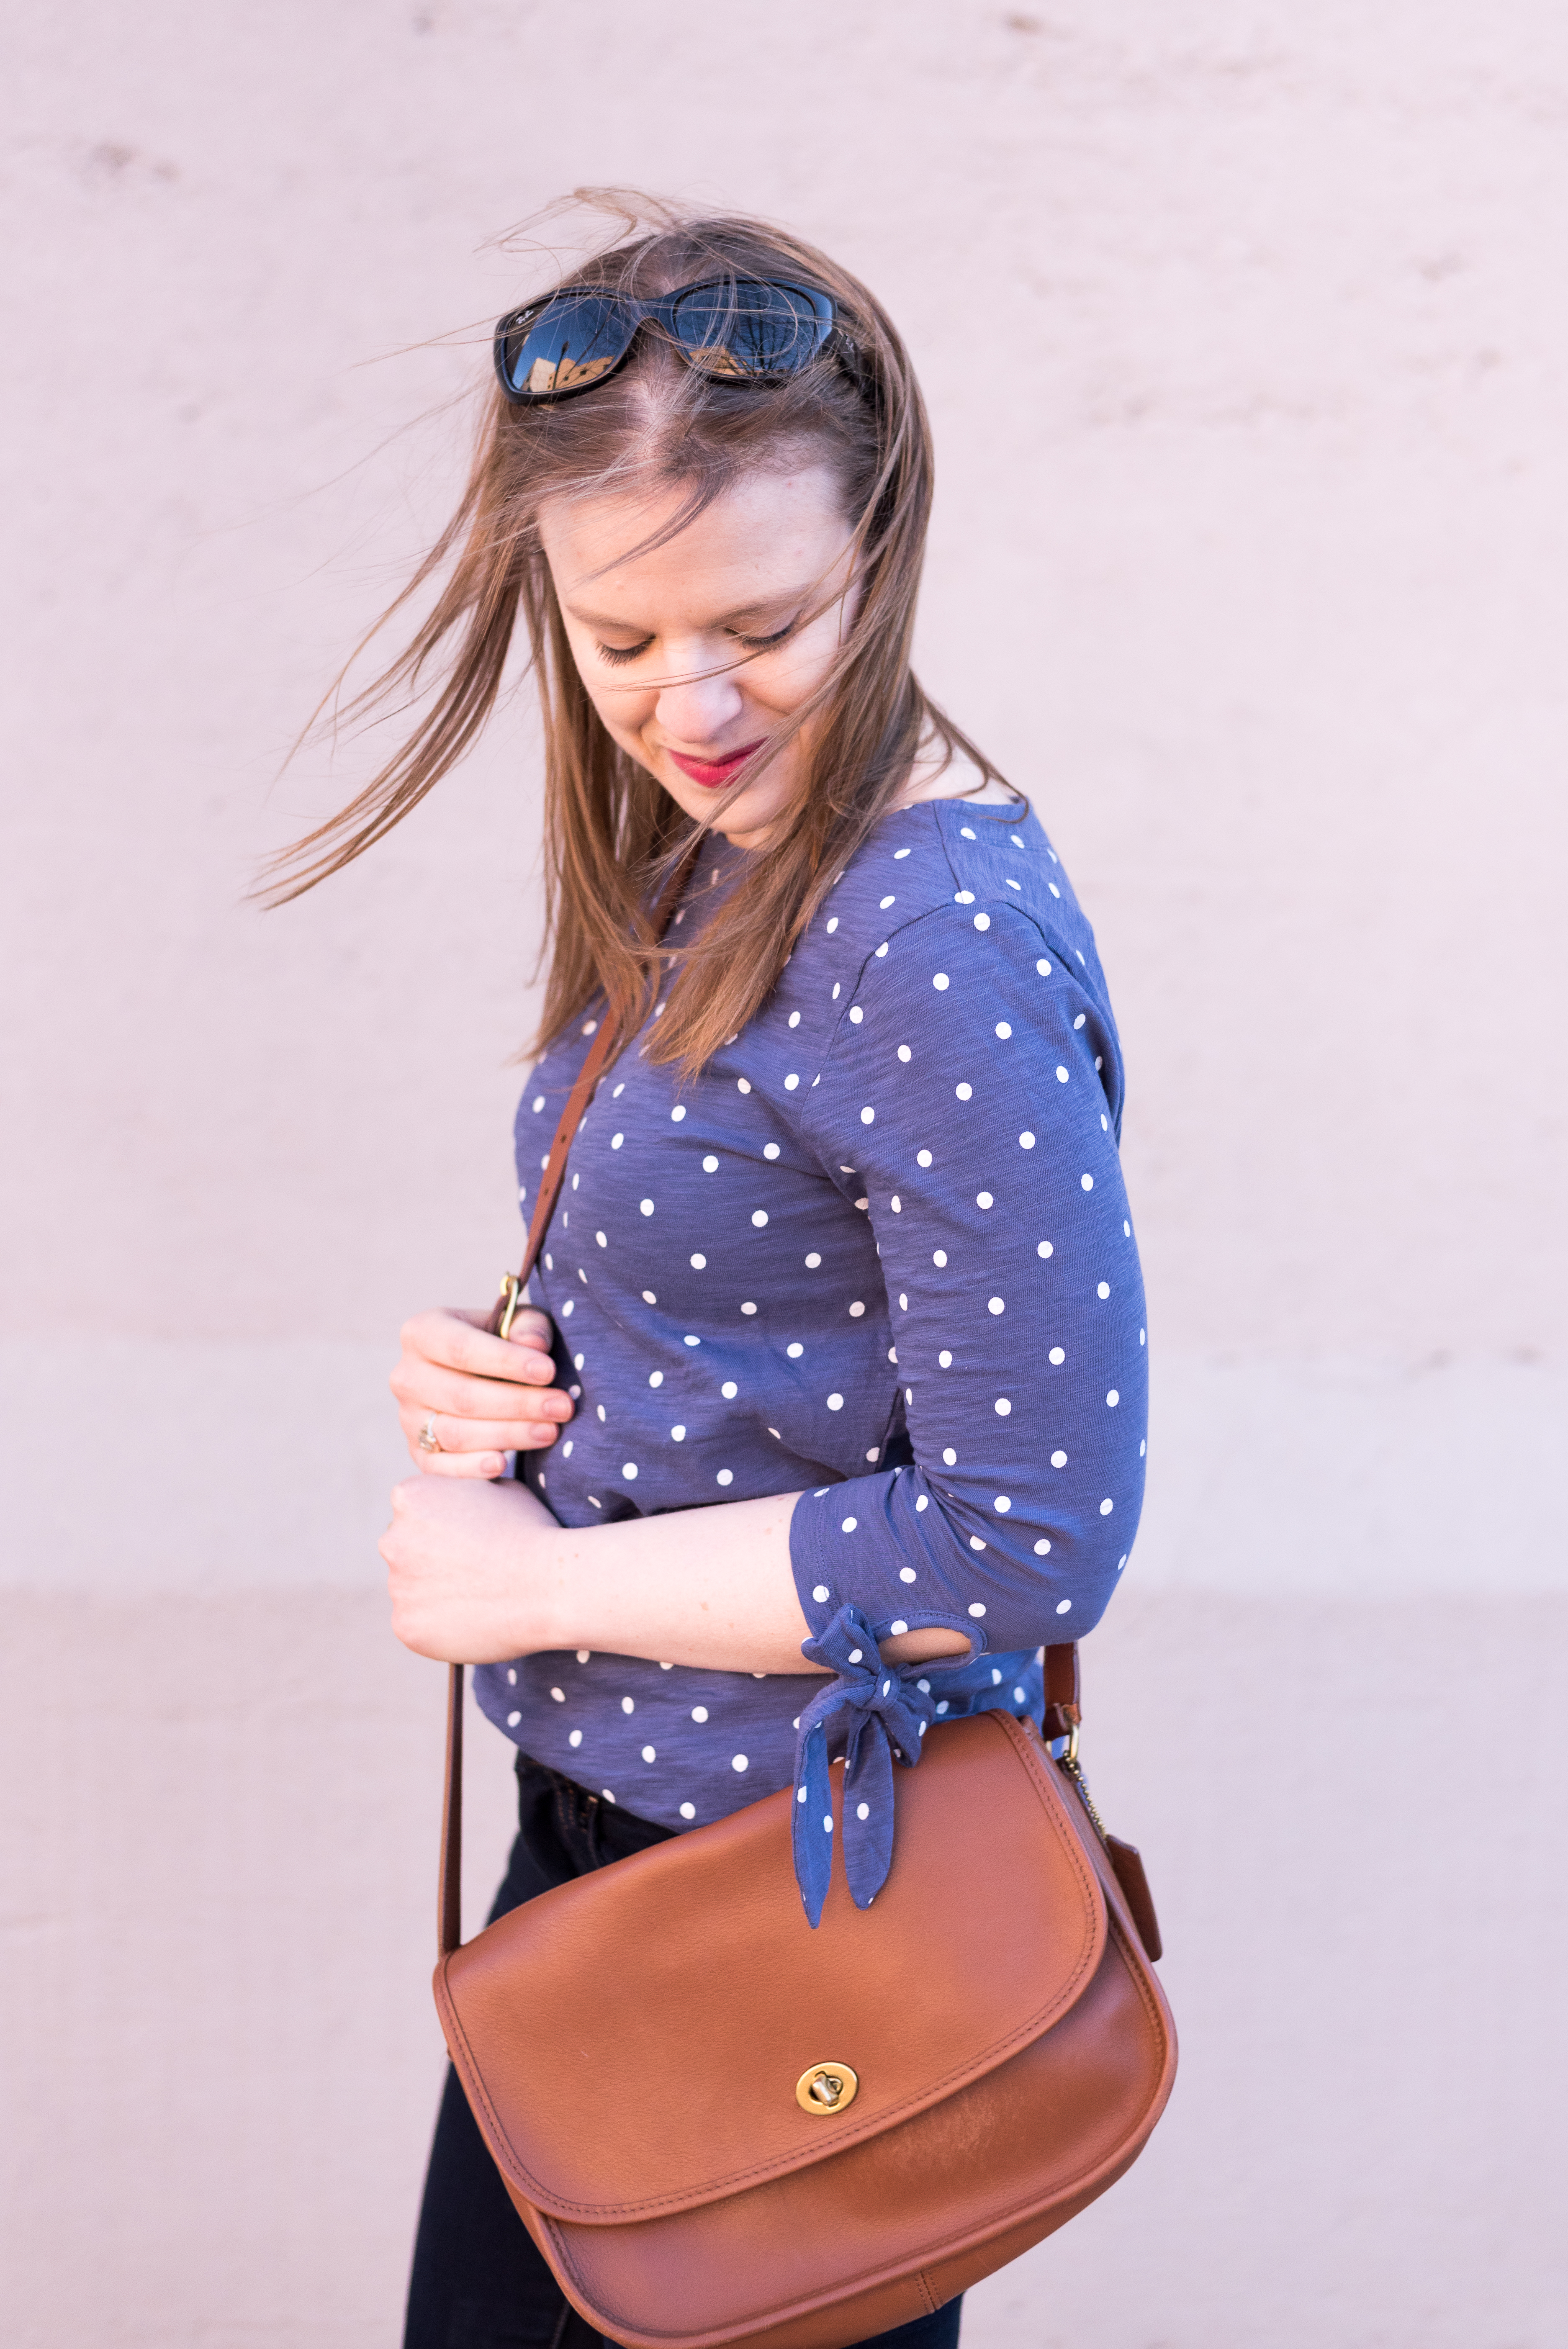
1062	1712
608	1036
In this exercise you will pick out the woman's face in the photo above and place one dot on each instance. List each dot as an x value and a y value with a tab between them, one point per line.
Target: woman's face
655	635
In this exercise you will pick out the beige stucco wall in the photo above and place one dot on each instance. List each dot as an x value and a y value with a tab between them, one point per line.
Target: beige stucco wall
1243	331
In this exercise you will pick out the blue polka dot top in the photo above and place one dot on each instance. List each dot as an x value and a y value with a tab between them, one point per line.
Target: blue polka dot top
879	1250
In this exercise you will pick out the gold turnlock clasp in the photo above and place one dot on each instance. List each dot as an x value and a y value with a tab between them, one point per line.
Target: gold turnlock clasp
826	2088
510	1290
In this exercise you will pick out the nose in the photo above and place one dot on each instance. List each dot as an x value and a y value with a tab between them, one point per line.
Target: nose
694	712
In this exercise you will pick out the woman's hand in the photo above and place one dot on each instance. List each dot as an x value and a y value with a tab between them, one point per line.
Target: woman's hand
480	1395
468	1566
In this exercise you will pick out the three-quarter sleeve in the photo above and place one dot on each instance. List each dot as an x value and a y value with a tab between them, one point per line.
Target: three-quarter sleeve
971	1096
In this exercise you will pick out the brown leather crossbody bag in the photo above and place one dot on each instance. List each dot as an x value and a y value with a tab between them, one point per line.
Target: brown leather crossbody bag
720	2125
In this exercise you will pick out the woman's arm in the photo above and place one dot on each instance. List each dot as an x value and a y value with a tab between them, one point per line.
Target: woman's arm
479	1572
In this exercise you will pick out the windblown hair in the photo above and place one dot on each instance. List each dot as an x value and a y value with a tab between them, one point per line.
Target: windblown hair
612	832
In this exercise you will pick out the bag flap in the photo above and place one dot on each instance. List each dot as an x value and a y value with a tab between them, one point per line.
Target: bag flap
631	2042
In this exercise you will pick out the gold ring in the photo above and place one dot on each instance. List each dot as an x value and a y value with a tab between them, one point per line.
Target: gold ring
428	1435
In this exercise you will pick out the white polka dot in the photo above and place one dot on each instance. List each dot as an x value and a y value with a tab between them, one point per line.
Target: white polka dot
800	1791
789	1083
1058	1460
738	1762
938	1257
944	1359
978	1609
725	1477
538	1103
601	1239
854	1655
565	1307
1063	1607
1002	1030
1080	1020
827	1824
677	1112
856	1310
698	1712
836	1403
513	1718
1087	1182
904	1052
982	921
975	1542
559	1695
649	1754
837	991
940	980
1142	1336
1106	1508
950	1457
983	1199
582	1655
628	1469
710	1165
1002	1504
922	1157
895	1204
512	1676
1044	968
1121	1561
759	1216
794	1350
1003	1408
1045	1248
868	1117
855	1015
729	1390
964	1092
1056	1355
963	896
833	925
628	1705
996	1305
677	1434
1018	1697
648	1298
647	1207
794	1019
849	1524
690	1341
862	1810
1112	1397
748	1308
699	1264
688	1810
575	1738
1061	1075
905	1574
922	1503
820	1594
965	832
1042	1549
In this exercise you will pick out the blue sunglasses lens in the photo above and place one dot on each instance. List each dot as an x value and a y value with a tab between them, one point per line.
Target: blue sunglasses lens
747	329
572	341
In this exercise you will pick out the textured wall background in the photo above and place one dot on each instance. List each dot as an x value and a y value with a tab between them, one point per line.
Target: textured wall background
1244	332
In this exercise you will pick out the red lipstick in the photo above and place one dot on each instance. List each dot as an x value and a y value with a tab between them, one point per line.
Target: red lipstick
714	773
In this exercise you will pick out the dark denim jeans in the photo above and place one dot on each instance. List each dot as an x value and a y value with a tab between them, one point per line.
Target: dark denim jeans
478	2281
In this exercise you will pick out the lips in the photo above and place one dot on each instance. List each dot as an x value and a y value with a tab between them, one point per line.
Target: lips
714	773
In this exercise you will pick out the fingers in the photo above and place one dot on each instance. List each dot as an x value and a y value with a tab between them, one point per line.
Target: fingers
422	1386
463	1442
452	1341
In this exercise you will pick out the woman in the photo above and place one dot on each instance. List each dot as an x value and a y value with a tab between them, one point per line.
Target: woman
840	1309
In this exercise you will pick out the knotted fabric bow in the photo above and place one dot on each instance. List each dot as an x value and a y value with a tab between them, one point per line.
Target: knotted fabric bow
872	1714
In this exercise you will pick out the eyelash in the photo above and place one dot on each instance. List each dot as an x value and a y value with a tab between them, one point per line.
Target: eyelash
617	654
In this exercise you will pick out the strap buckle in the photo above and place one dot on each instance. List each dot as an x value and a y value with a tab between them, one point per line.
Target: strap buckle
510	1290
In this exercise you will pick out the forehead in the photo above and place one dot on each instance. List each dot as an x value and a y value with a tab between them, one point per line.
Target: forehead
771	533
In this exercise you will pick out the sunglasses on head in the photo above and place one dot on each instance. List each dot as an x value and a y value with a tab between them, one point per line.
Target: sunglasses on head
733	329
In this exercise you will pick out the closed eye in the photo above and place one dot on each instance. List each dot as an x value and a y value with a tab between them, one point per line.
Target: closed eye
615	653
763	643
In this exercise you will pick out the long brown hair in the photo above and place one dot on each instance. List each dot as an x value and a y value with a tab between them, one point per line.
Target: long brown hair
611	831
